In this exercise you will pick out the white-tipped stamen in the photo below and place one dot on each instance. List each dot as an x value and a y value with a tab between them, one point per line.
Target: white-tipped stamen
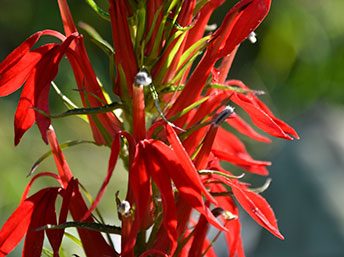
124	208
229	216
143	78
223	115
252	37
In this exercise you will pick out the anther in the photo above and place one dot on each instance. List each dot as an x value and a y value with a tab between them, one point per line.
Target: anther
252	37
143	78
124	208
223	115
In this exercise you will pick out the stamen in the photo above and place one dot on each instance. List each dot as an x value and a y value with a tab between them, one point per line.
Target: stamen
143	78
229	216
223	115
124	208
252	37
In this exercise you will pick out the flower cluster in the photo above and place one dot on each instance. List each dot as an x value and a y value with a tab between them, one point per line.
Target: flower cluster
165	124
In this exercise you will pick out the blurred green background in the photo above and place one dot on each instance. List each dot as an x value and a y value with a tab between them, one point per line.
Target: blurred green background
298	60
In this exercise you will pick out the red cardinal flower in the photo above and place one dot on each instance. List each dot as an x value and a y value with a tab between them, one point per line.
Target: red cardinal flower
167	130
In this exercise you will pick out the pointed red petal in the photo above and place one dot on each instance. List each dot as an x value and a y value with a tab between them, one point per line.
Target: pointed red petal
199	236
36	90
185	181
140	185
17	225
190	172
244	128
256	206
258	116
254	100
28	186
14	77
19	52
60	161
34	239
55	236
251	14
228	147
67	19
115	149
93	242
163	182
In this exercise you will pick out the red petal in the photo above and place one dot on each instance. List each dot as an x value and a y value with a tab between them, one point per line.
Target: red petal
228	147
93	242
87	80
185	181
125	54
190	173
258	116
140	185
60	161
115	149
34	239
163	182
251	14
28	187
241	126
259	104
19	52
55	236
36	90
256	206
67	18
17	225
233	237
199	236
14	77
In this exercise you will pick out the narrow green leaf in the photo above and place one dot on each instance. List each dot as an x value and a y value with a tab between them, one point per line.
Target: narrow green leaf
216	172
96	38
199	5
171	55
82	111
85	225
67	101
106	136
236	89
73	238
189	108
46	252
62	146
105	15
196	48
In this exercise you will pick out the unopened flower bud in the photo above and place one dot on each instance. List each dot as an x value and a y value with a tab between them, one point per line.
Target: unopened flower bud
252	37
223	115
124	208
143	78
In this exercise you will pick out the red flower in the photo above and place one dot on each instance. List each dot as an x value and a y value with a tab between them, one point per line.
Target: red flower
173	165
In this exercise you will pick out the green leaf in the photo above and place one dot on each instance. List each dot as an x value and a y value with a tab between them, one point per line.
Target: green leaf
85	225
82	111
96	38
189	108
46	252
171	54
196	48
199	5
105	15
67	101
216	172
73	238
62	146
